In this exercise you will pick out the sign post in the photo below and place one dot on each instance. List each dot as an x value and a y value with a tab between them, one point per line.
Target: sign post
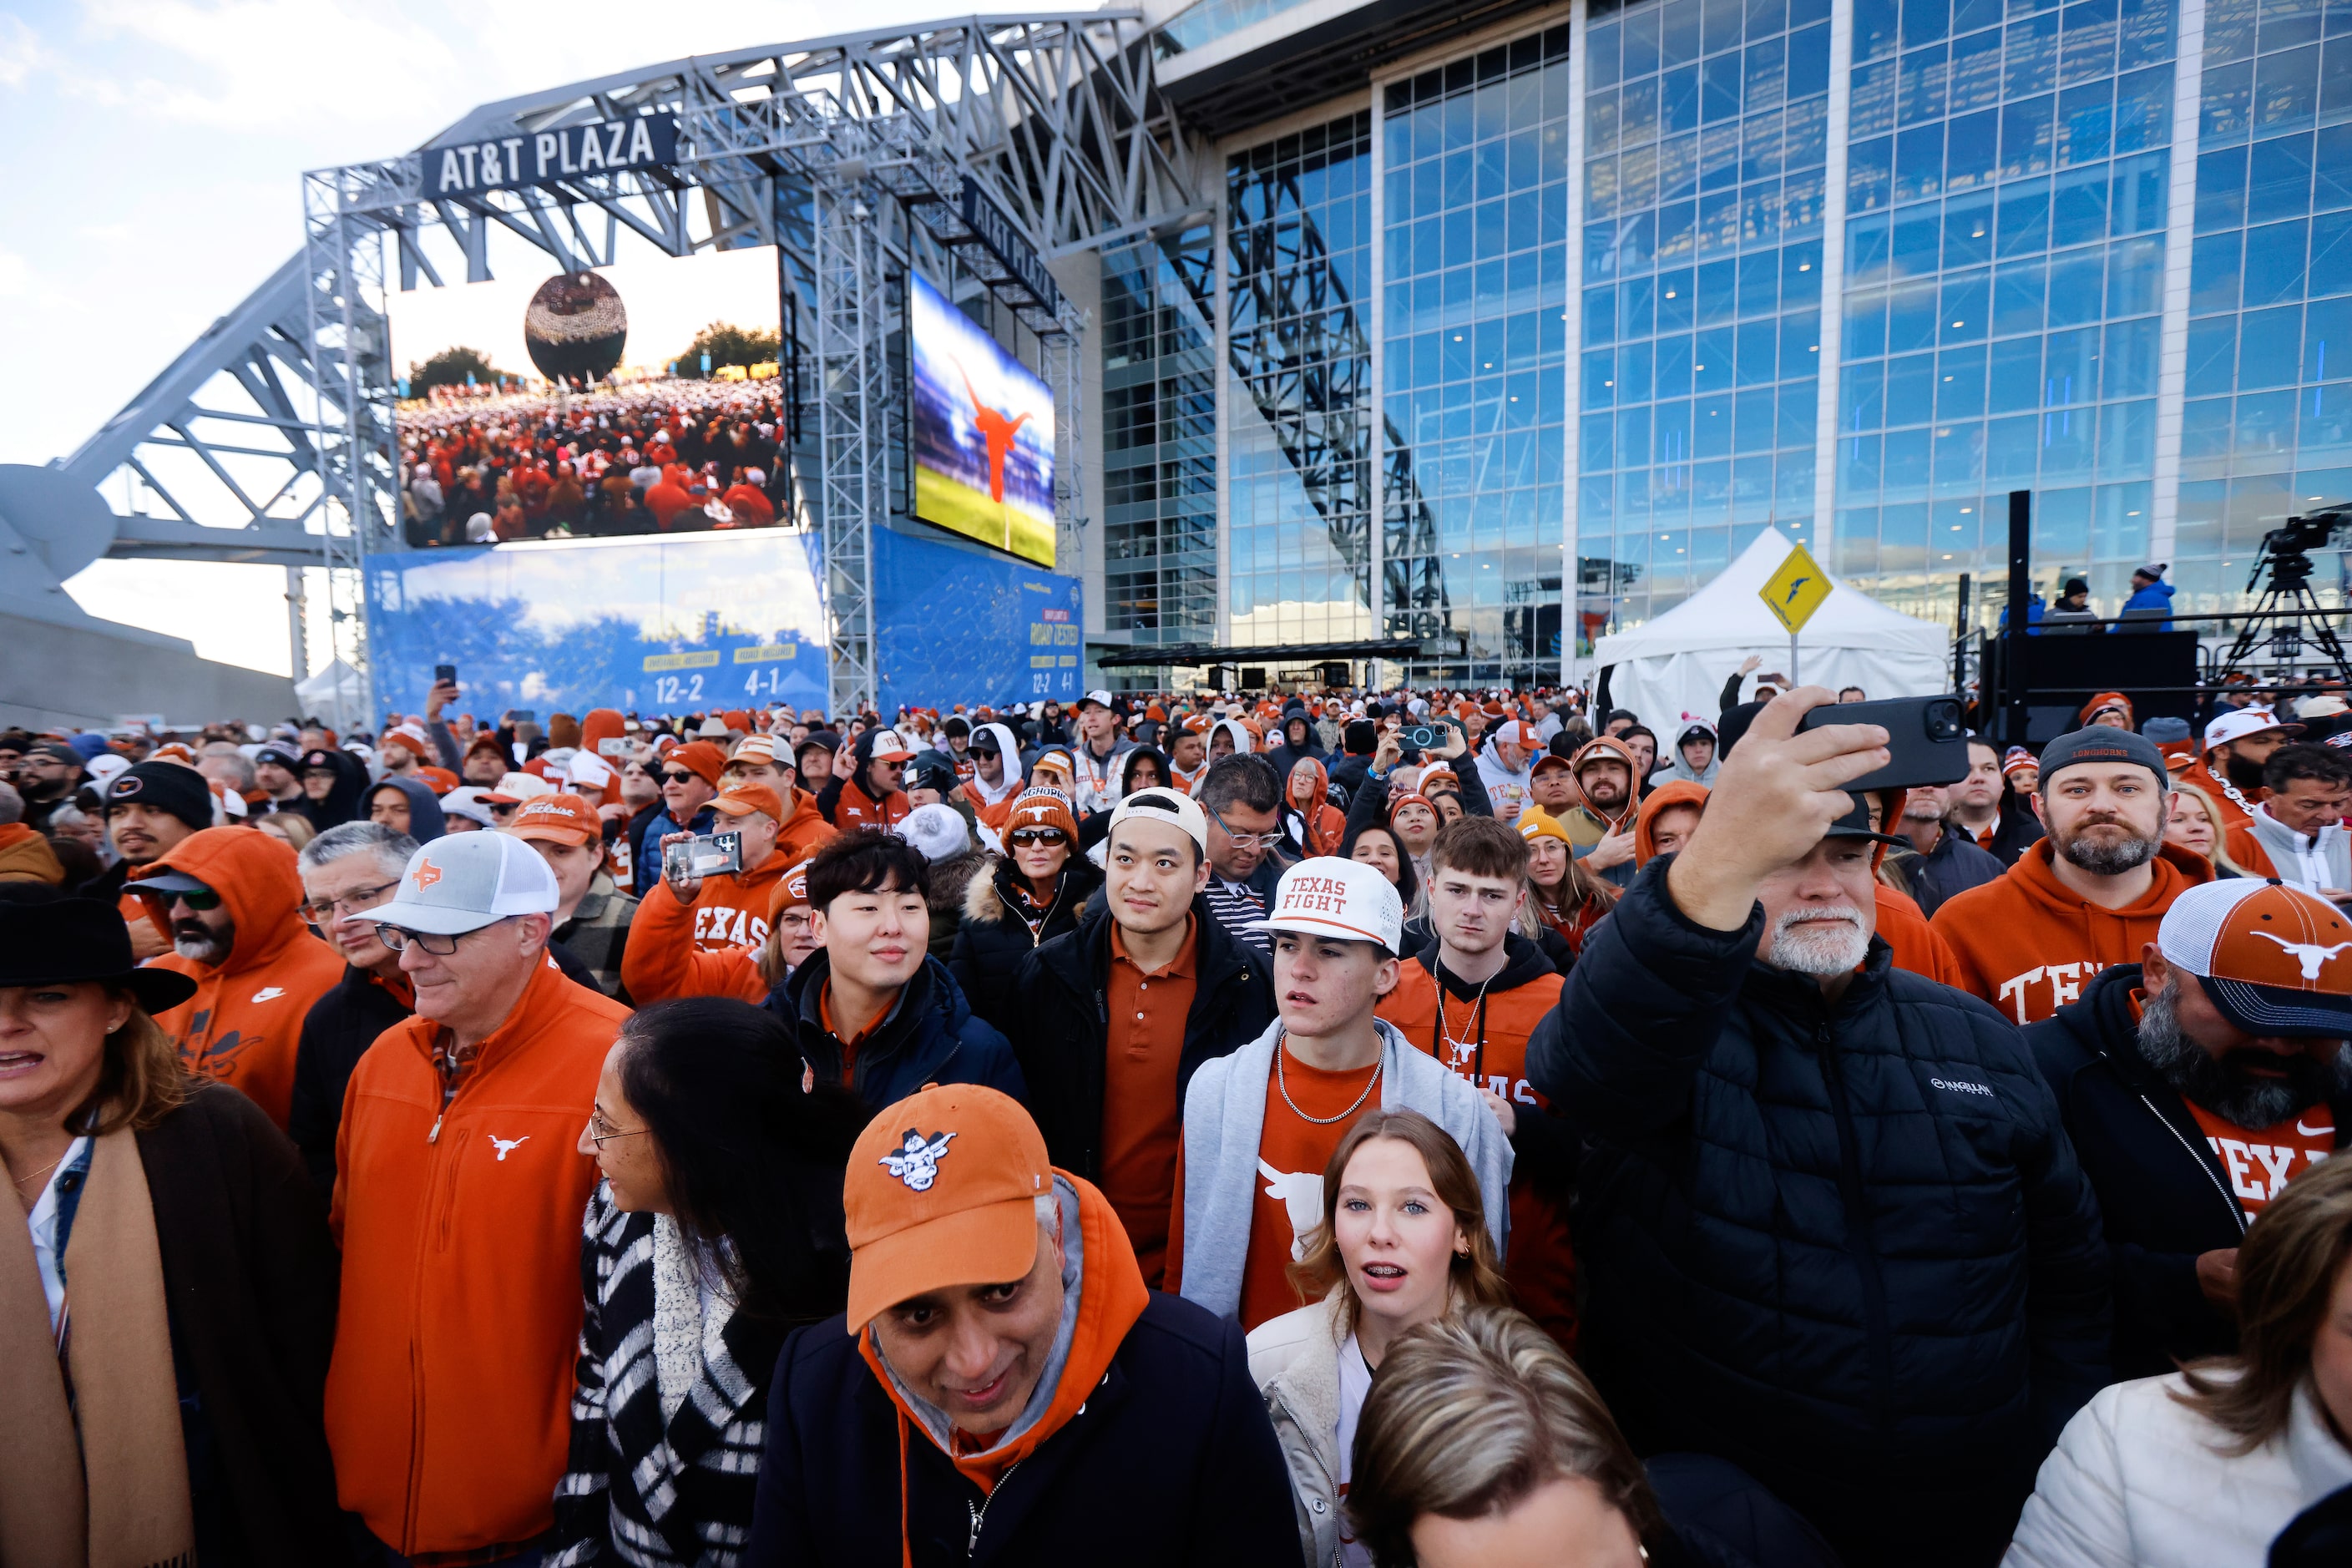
1793	593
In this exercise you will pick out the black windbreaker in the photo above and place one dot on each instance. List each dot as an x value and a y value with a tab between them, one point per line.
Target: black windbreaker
2164	1197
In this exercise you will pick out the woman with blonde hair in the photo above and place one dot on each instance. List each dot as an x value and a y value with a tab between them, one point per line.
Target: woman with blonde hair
2211	1464
1403	1241
167	1294
2194	823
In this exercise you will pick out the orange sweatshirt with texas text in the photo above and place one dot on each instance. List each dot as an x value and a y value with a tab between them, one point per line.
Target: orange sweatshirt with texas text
448	1401
245	1022
2028	943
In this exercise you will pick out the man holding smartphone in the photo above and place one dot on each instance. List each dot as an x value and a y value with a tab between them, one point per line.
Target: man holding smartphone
1830	1226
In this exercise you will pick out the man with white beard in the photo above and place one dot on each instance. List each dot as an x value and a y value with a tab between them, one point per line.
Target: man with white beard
1828	1226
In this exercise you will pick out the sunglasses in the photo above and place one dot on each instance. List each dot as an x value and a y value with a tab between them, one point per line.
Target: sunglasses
194	900
678	776
1049	837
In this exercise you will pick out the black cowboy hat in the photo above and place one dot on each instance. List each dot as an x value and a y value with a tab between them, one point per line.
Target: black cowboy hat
48	938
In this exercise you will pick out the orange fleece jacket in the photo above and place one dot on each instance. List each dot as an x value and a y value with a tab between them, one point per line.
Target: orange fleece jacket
2028	943
448	1401
245	1022
663	958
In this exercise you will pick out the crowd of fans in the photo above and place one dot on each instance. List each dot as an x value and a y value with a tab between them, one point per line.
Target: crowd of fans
1352	1127
652	457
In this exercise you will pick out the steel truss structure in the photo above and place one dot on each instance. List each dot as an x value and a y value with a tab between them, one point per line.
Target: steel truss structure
849	154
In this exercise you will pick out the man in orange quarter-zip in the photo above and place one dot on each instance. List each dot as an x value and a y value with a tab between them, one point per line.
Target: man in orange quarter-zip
457	1203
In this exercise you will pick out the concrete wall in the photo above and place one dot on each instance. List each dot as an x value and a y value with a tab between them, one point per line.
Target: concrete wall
82	672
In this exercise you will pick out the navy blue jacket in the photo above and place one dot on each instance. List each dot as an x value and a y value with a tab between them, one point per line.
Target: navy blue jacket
1954	866
929	1035
1845	1245
2164	1197
645	861
1170	1461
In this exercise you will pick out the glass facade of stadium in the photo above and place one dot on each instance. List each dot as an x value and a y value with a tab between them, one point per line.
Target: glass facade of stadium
1543	328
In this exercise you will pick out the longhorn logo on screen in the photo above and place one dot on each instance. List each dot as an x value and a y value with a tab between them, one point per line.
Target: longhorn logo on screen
996	429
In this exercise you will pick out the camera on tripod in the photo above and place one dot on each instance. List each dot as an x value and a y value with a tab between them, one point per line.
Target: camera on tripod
2287	551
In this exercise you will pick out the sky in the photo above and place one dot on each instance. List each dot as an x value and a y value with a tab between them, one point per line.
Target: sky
157	182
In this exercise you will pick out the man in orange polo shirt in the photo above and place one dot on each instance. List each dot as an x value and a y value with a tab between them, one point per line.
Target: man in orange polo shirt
457	1203
1118	1014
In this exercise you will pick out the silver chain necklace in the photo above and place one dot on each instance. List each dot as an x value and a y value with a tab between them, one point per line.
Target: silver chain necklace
1321	1120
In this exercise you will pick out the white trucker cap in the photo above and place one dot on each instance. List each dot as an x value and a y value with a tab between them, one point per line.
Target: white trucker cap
465	881
1158	804
1326	896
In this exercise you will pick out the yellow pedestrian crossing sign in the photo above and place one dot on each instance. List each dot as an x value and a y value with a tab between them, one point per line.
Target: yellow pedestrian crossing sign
1795	591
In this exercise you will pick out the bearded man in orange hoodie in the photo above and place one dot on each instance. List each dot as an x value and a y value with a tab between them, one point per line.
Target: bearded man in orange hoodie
1003	1385
2091	894
231	899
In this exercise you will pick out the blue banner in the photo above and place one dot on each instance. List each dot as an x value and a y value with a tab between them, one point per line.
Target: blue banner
551	157
954	625
660	626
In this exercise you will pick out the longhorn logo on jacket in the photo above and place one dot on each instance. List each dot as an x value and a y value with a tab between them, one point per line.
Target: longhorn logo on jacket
506	1146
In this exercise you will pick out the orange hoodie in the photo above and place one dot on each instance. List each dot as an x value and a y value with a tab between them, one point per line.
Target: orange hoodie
663	959
244	1023
1916	945
448	1398
1674	792
25	857
2028	943
1325	827
731	911
1111	1297
804	831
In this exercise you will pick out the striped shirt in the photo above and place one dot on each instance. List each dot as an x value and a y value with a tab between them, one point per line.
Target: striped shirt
1237	906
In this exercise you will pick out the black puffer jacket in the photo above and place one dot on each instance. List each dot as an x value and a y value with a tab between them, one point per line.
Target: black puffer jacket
1063	1028
993	938
2164	1197
1845	1247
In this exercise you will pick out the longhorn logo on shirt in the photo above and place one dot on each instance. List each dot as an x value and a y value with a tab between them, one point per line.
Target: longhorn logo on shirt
1301	1194
2310	955
425	875
917	1161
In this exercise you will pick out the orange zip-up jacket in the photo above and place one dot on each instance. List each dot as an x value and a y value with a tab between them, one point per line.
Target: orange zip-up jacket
663	959
245	1022
448	1398
2028	943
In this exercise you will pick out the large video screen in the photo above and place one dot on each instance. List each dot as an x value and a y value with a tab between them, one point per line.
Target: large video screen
1017	634
639	398
982	433
650	625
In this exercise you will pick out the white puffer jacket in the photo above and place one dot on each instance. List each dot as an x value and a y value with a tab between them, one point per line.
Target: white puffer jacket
2140	1481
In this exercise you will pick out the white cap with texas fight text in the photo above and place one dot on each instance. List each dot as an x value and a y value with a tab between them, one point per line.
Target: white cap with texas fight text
1346	899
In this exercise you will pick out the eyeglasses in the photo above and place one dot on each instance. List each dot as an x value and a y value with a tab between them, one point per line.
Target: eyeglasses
321	910
199	902
397	939
1245	840
1047	838
599	1130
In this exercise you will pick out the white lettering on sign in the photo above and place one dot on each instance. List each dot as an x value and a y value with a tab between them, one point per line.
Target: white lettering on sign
543	157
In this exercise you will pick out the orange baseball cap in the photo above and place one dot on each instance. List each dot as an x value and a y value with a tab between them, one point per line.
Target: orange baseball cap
941	1191
558	819
743	799
2275	960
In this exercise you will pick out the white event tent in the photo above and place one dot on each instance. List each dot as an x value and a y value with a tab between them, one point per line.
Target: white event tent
1677	663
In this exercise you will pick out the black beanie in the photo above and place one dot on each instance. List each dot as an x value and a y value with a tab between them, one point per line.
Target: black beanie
1362	738
2102	743
165	787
